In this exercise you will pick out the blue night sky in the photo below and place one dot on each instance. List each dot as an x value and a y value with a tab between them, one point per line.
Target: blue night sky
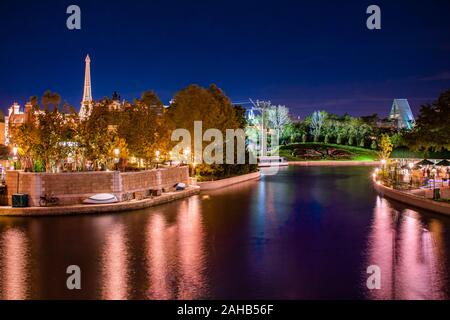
305	54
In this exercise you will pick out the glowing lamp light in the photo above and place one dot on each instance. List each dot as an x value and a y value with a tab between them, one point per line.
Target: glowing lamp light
383	161
411	165
187	151
377	170
157	153
116	152
15	149
374	175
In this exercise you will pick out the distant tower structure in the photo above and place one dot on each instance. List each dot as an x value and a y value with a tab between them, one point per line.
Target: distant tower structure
401	114
86	103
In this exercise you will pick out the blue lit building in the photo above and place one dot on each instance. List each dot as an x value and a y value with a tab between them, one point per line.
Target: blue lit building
401	114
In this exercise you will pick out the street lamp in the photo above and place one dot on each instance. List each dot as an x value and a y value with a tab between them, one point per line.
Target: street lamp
116	159
15	150
186	153
435	192
383	167
410	165
157	158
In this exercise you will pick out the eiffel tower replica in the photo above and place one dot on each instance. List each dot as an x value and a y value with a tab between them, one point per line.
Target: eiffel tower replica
86	103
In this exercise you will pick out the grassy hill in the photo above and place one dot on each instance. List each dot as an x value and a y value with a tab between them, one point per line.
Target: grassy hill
322	151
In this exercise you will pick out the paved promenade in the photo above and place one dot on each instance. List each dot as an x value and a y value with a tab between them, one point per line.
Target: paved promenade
412	199
331	163
100	208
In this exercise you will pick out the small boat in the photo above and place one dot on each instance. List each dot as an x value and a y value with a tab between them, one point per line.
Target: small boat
180	186
272	161
101	198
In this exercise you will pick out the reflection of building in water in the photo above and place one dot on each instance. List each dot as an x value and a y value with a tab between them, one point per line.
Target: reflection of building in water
14	282
411	258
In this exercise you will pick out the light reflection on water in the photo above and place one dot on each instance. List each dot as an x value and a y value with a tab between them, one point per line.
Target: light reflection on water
14	252
114	264
306	233
411	254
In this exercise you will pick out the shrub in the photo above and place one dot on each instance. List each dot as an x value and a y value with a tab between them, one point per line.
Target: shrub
38	166
373	146
361	143
350	141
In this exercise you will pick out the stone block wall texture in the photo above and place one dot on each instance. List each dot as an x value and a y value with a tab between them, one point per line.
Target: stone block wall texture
73	188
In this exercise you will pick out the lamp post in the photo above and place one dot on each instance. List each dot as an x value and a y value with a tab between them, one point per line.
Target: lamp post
186	154
383	167
375	174
116	159
157	158
436	195
410	165
15	150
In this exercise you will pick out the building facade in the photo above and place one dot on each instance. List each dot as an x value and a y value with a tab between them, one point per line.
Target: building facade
16	116
401	115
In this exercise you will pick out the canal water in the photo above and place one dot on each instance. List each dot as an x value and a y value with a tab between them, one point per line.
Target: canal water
305	233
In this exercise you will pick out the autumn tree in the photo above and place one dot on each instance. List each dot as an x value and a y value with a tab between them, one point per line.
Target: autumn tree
214	109
385	147
145	128
95	135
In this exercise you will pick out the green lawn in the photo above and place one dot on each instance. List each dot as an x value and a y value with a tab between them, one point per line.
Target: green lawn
323	151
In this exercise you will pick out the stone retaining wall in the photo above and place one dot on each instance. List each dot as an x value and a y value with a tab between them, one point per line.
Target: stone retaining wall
413	200
333	163
212	185
100	208
73	188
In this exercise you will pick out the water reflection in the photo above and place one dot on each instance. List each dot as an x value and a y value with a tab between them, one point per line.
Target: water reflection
14	282
285	237
114	264
176	254
191	253
158	247
409	252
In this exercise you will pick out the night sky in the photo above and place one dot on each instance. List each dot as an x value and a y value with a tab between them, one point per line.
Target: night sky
307	55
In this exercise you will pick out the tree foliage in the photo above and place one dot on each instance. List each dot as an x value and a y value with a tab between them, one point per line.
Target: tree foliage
386	147
432	128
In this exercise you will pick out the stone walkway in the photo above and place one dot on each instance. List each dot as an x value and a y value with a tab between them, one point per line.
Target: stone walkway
100	208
